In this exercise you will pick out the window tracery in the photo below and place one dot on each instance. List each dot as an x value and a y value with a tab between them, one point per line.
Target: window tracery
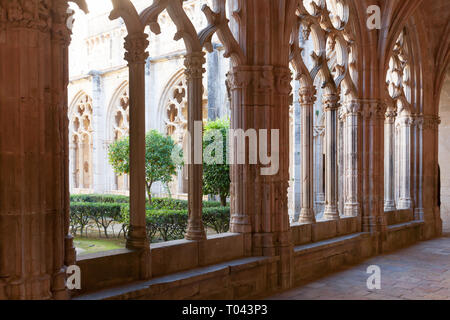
81	142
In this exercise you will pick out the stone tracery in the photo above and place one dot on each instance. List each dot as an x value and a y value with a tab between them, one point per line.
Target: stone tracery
398	128
81	142
323	47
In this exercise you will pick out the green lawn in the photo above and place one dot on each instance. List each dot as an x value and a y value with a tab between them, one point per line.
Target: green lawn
92	245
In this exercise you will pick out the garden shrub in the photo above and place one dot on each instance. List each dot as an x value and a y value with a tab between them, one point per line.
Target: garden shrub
102	214
166	219
99	198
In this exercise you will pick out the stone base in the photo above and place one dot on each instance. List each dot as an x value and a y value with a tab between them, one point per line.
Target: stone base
331	213
307	216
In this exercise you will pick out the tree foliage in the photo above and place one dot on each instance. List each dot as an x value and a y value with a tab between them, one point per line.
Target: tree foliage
216	176
159	164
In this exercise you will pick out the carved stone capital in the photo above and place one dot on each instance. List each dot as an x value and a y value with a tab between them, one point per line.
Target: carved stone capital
194	65
307	95
419	120
26	14
406	120
350	108
390	115
258	79
331	101
431	122
136	48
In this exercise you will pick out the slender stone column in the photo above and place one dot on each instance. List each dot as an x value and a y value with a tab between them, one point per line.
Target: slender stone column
213	85
405	201
297	153
194	74
319	167
389	148
136	55
307	99
342	147
352	205
73	168
82	173
331	103
419	210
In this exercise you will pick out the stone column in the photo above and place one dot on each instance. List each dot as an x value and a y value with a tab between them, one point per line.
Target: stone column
35	244
419	210
136	55
194	74
389	151
213	84
81	173
331	104
307	99
342	147
260	85
297	153
99	153
433	221
319	167
404	122
373	116
352	159
73	168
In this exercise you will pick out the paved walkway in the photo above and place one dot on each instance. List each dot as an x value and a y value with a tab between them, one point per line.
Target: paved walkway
415	273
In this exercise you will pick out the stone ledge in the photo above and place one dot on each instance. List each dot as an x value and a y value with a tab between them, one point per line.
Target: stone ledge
326	244
117	267
405	225
323	230
180	255
179	281
402	235
314	260
399	216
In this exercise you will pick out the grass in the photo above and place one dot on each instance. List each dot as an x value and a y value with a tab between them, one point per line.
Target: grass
92	245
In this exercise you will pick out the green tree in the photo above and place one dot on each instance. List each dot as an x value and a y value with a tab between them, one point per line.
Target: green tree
159	164
216	171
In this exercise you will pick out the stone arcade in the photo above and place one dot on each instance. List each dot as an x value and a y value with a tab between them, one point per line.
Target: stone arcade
357	111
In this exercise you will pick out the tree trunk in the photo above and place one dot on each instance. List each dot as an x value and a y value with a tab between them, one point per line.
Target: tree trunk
149	193
223	200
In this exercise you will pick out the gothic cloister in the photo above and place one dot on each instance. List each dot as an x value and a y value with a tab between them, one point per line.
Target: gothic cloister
353	105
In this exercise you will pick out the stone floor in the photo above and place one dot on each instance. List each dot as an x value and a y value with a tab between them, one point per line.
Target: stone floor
415	273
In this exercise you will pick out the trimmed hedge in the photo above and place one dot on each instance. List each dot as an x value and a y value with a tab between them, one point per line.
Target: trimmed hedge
169	225
166	220
103	215
98	198
157	203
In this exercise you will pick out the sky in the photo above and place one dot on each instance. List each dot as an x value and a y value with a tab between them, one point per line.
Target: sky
99	6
